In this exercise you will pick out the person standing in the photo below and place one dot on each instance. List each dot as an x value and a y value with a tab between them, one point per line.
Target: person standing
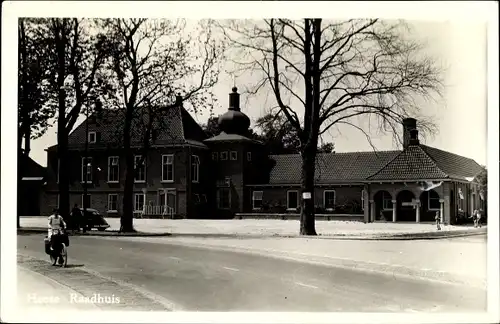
474	217
438	220
478	218
76	216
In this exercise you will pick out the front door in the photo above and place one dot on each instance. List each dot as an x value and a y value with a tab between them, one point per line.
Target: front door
167	197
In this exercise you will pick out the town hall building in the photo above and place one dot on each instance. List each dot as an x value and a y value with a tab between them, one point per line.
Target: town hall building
187	175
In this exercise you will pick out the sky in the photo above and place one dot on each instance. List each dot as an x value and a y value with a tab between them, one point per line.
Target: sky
459	46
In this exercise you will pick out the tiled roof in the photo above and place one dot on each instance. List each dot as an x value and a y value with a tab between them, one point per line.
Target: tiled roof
330	167
454	165
171	128
411	164
414	163
224	137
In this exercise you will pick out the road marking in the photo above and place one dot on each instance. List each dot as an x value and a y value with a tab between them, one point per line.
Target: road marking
305	285
232	269
174	258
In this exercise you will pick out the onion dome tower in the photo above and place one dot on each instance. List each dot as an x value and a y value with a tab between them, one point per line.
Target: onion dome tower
234	121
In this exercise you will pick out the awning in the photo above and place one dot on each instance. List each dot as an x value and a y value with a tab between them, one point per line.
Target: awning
32	178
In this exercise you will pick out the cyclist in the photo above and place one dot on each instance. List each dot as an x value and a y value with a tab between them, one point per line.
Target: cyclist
56	223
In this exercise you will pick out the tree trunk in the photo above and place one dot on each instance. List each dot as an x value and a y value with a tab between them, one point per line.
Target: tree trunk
307	225
19	175
127	218
64	167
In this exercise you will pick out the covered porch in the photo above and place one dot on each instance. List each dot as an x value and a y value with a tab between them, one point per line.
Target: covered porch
416	202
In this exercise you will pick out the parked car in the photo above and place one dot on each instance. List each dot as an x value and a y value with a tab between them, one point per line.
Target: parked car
93	219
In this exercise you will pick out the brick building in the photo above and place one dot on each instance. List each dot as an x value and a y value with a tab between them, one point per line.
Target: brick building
228	174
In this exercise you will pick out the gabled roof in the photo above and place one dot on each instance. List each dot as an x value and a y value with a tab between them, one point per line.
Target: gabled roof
330	167
174	127
417	162
454	165
411	164
425	162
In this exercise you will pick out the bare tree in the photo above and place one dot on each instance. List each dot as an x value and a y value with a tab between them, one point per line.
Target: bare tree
74	56
341	73
157	66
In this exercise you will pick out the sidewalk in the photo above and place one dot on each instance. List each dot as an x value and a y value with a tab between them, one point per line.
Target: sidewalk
37	293
273	228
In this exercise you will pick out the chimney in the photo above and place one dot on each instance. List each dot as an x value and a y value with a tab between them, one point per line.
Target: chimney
234	100
409	132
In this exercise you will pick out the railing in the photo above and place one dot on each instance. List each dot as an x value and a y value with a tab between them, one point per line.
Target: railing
163	211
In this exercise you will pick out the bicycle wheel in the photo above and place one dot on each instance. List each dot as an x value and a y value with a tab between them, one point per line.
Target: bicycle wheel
64	256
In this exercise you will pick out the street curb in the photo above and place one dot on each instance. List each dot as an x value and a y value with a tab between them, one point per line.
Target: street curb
373	237
39	230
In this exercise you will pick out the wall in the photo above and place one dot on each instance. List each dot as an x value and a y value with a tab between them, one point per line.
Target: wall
344	195
100	187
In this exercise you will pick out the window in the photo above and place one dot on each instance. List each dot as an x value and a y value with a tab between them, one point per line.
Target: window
195	168
87	169
433	202
197	198
223	198
92	137
234	155
223	156
257	199
363	199
113	169
292	199
215	156
329	199
249	156
86	201
138	202
167	171
112	203
140	168
386	200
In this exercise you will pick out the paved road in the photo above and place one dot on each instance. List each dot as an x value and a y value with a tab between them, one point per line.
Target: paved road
197	279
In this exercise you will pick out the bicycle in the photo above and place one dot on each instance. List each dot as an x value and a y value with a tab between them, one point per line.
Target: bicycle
59	252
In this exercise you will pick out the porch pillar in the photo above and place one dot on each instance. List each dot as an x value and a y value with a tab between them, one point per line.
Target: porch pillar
372	211
441	209
417	206
394	216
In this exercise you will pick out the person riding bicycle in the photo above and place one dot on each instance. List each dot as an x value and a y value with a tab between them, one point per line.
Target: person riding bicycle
56	224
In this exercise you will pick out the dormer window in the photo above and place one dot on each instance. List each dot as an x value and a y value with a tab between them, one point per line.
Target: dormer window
92	137
249	156
223	156
234	155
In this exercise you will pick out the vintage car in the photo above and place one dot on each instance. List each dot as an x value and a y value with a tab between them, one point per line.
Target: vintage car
93	219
